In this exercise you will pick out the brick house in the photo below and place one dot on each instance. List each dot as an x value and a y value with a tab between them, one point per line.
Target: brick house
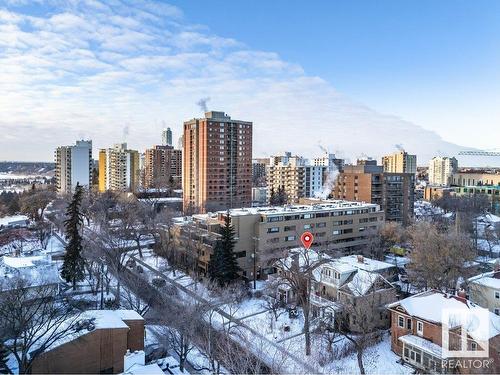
417	333
98	344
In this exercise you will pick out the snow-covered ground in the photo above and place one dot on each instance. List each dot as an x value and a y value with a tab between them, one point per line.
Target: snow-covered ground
282	343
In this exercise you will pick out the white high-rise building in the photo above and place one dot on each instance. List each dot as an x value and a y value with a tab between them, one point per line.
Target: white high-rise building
441	170
73	166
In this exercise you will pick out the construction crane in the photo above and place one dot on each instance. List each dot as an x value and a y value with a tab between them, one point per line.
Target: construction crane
479	153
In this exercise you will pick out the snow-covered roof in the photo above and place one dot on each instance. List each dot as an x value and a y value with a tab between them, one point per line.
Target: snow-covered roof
489	218
363	263
138	369
486	279
324	206
13	220
21	262
361	282
35	270
101	319
423	344
433	306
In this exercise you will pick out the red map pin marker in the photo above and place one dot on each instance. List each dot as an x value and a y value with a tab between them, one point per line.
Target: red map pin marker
307	239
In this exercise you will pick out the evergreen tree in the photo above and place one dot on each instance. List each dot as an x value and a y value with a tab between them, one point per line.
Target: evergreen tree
216	264
281	196
73	266
272	197
3	359
223	266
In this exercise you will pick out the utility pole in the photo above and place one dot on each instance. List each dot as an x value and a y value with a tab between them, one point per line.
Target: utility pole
102	282
254	256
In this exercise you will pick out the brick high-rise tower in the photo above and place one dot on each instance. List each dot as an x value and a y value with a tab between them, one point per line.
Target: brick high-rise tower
217	163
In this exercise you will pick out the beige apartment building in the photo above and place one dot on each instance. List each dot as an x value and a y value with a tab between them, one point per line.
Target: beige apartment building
162	167
400	162
264	234
118	169
287	173
474	179
217	163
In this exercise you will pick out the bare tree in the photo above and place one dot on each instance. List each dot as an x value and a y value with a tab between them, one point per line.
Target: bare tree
358	321
297	272
114	252
35	201
31	320
438	259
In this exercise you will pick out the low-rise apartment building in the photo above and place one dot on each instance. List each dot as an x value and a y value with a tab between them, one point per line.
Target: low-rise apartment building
264	234
474	179
417	335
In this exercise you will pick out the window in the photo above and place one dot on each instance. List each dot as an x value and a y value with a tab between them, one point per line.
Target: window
290	238
408	323
497	295
497	311
401	322
321	225
420	328
473	346
273	230
307	226
289	228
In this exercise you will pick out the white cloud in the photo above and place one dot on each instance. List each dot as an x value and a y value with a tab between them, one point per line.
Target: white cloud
89	67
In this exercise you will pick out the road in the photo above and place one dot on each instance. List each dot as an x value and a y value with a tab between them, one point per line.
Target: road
301	364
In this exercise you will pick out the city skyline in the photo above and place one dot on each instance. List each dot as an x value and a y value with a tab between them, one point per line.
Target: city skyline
122	72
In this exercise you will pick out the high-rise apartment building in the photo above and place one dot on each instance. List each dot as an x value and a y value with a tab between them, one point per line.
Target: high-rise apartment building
400	162
367	182
73	166
166	137
441	170
259	171
162	167
330	161
286	173
217	163
118	169
297	178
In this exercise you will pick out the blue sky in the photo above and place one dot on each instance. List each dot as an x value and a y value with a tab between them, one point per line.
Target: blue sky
356	76
432	62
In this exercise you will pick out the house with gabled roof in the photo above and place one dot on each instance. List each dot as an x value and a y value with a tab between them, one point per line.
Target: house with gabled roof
437	332
347	280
